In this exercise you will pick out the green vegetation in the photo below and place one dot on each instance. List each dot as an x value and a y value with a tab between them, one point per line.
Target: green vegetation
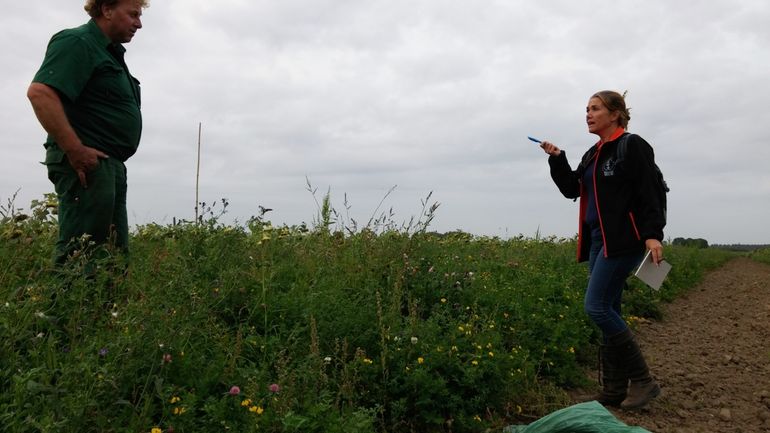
289	329
761	255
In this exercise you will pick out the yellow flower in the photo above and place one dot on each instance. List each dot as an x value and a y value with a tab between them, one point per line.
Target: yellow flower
491	354
443	300
256	409
420	360
477	418
571	350
174	399
474	362
246	402
179	410
367	361
156	430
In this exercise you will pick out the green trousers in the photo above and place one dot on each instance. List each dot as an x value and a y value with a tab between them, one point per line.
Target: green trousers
98	211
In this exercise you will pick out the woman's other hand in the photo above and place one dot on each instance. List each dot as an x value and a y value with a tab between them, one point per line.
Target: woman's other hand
656	247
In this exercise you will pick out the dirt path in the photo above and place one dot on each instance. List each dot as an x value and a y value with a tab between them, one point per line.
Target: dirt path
711	356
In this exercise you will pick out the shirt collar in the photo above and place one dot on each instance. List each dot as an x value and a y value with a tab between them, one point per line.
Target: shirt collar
97	33
101	38
618	132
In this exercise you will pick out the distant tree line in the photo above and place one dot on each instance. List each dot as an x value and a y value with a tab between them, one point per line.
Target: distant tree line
741	247
690	242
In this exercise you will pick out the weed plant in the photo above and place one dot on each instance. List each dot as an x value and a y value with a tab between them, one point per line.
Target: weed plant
287	329
761	255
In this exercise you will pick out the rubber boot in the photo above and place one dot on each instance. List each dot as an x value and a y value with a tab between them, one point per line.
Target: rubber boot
612	377
642	387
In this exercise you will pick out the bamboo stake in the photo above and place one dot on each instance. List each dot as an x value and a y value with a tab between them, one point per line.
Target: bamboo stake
198	173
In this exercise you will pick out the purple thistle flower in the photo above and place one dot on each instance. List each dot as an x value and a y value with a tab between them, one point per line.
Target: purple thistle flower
235	390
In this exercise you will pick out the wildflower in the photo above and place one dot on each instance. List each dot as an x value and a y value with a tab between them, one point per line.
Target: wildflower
491	354
474	362
460	328
477	418
443	300
274	387
174	399
40	315
103	352
166	358
257	409
420	360
235	390
114	314
367	361
414	340
328	359
246	402
156	430
179	410
571	350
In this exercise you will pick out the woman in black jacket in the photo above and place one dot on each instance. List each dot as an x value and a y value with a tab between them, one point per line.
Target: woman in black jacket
621	215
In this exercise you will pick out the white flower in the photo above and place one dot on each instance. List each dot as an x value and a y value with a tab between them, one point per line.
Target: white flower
40	314
328	359
414	340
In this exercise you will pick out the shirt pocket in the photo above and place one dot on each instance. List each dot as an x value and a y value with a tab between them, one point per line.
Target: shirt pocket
111	82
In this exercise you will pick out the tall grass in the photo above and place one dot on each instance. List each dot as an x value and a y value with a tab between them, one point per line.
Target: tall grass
385	328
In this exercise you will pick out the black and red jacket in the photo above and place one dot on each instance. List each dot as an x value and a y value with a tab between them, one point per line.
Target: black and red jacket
629	208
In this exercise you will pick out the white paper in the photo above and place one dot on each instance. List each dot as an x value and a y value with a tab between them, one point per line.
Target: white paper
652	274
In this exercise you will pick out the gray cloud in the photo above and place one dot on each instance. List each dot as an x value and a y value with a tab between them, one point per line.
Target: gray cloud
359	96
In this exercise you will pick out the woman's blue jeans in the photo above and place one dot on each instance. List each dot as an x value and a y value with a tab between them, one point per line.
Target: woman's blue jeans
607	279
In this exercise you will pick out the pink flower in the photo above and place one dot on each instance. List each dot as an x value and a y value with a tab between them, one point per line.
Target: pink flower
235	390
274	387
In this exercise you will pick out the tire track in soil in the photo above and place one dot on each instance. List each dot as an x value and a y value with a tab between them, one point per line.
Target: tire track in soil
711	355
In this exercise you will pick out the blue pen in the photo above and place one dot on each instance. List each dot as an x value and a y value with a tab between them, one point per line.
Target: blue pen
534	139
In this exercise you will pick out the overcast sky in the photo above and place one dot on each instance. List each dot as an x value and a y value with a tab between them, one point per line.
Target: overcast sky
359	96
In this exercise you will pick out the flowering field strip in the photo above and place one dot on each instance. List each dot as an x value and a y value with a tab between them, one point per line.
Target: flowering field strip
281	329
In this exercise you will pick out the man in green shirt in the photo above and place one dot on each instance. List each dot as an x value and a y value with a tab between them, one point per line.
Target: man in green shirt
89	104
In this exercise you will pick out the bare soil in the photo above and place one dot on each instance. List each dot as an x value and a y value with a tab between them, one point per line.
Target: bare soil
711	356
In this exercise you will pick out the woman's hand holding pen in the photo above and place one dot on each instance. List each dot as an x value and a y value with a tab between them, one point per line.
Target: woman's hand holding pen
550	148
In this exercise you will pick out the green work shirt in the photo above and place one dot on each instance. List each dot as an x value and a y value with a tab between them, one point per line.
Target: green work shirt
100	97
